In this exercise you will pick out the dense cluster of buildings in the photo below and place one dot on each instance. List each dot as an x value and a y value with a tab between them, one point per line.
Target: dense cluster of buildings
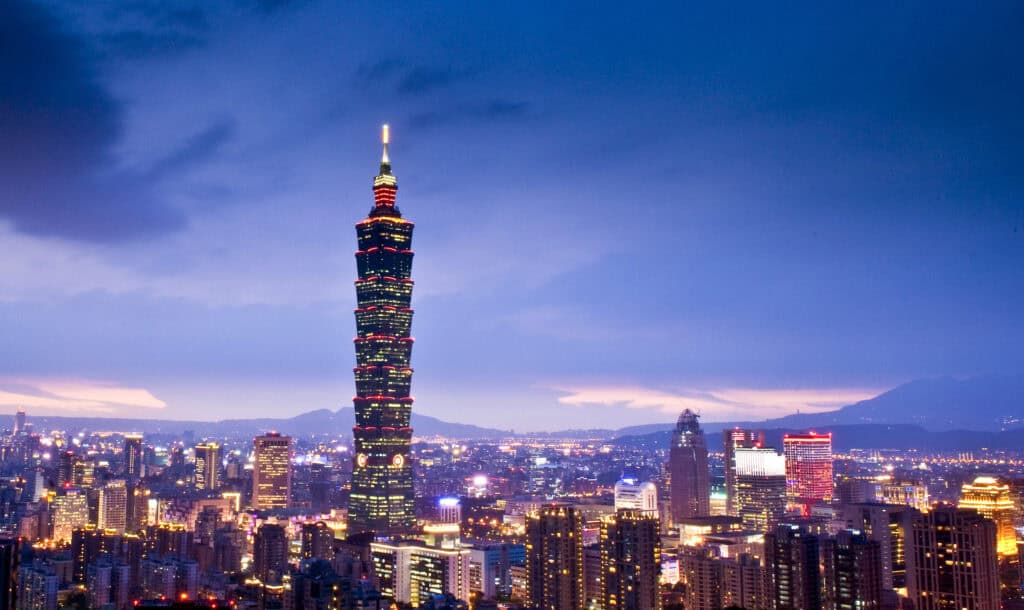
378	519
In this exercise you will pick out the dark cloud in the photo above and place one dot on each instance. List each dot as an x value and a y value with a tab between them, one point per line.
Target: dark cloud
59	125
408	79
198	148
494	110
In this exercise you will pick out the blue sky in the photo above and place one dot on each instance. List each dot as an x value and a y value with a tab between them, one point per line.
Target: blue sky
621	210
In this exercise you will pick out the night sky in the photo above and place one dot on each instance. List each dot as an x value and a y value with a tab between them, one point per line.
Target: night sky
621	209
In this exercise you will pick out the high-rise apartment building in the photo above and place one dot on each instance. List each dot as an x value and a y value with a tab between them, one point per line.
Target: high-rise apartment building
412	573
853	572
701	571
271	472
10	556
733	439
133	467
633	494
317	541
952	560
745	583
993	500
208	464
630	561
270	553
554	558
758	487
888	525
808	468
382	498
689	480
791	553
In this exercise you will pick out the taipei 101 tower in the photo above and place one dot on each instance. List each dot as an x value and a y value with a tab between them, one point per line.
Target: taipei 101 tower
382	493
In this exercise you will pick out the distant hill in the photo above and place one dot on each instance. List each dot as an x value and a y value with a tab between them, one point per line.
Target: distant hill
986	404
865	436
319	422
980	403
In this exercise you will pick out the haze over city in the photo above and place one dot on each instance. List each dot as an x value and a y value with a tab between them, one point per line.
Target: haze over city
621	211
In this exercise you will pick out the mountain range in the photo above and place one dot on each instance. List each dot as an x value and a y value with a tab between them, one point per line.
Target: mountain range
924	411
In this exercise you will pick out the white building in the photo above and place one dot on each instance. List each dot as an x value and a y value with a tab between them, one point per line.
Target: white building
631	494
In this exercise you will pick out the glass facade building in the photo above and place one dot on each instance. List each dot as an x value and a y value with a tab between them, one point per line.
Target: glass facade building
382	500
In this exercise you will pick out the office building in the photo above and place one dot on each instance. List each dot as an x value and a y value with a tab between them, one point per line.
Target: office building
892	490
852	572
689	479
791	554
112	511
630	561
992	499
411	573
208	465
133	466
449	510
554	558
382	498
635	495
271	472
759	487
808	468
952	560
733	439
69	510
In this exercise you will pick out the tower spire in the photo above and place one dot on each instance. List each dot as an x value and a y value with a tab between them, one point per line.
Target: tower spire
385	138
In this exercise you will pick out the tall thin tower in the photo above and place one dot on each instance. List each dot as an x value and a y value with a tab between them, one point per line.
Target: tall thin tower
382	490
689	481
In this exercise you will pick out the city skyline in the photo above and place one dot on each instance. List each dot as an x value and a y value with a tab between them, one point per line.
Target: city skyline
821	223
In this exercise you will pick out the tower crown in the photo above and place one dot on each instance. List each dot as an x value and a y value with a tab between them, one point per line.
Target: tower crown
385	186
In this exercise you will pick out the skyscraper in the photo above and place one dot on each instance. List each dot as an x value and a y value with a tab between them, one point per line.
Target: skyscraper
888	525
19	421
554	558
630	561
733	439
272	472
133	456
382	482
952	560
991	498
791	554
853	572
808	468
759	487
208	466
689	480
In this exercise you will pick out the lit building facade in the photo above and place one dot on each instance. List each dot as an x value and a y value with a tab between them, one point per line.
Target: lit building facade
991	498
759	487
952	560
897	491
808	468
411	573
733	439
133	468
382	499
689	480
271	472
113	507
791	555
853	572
208	463
630	561
631	494
554	558
70	511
